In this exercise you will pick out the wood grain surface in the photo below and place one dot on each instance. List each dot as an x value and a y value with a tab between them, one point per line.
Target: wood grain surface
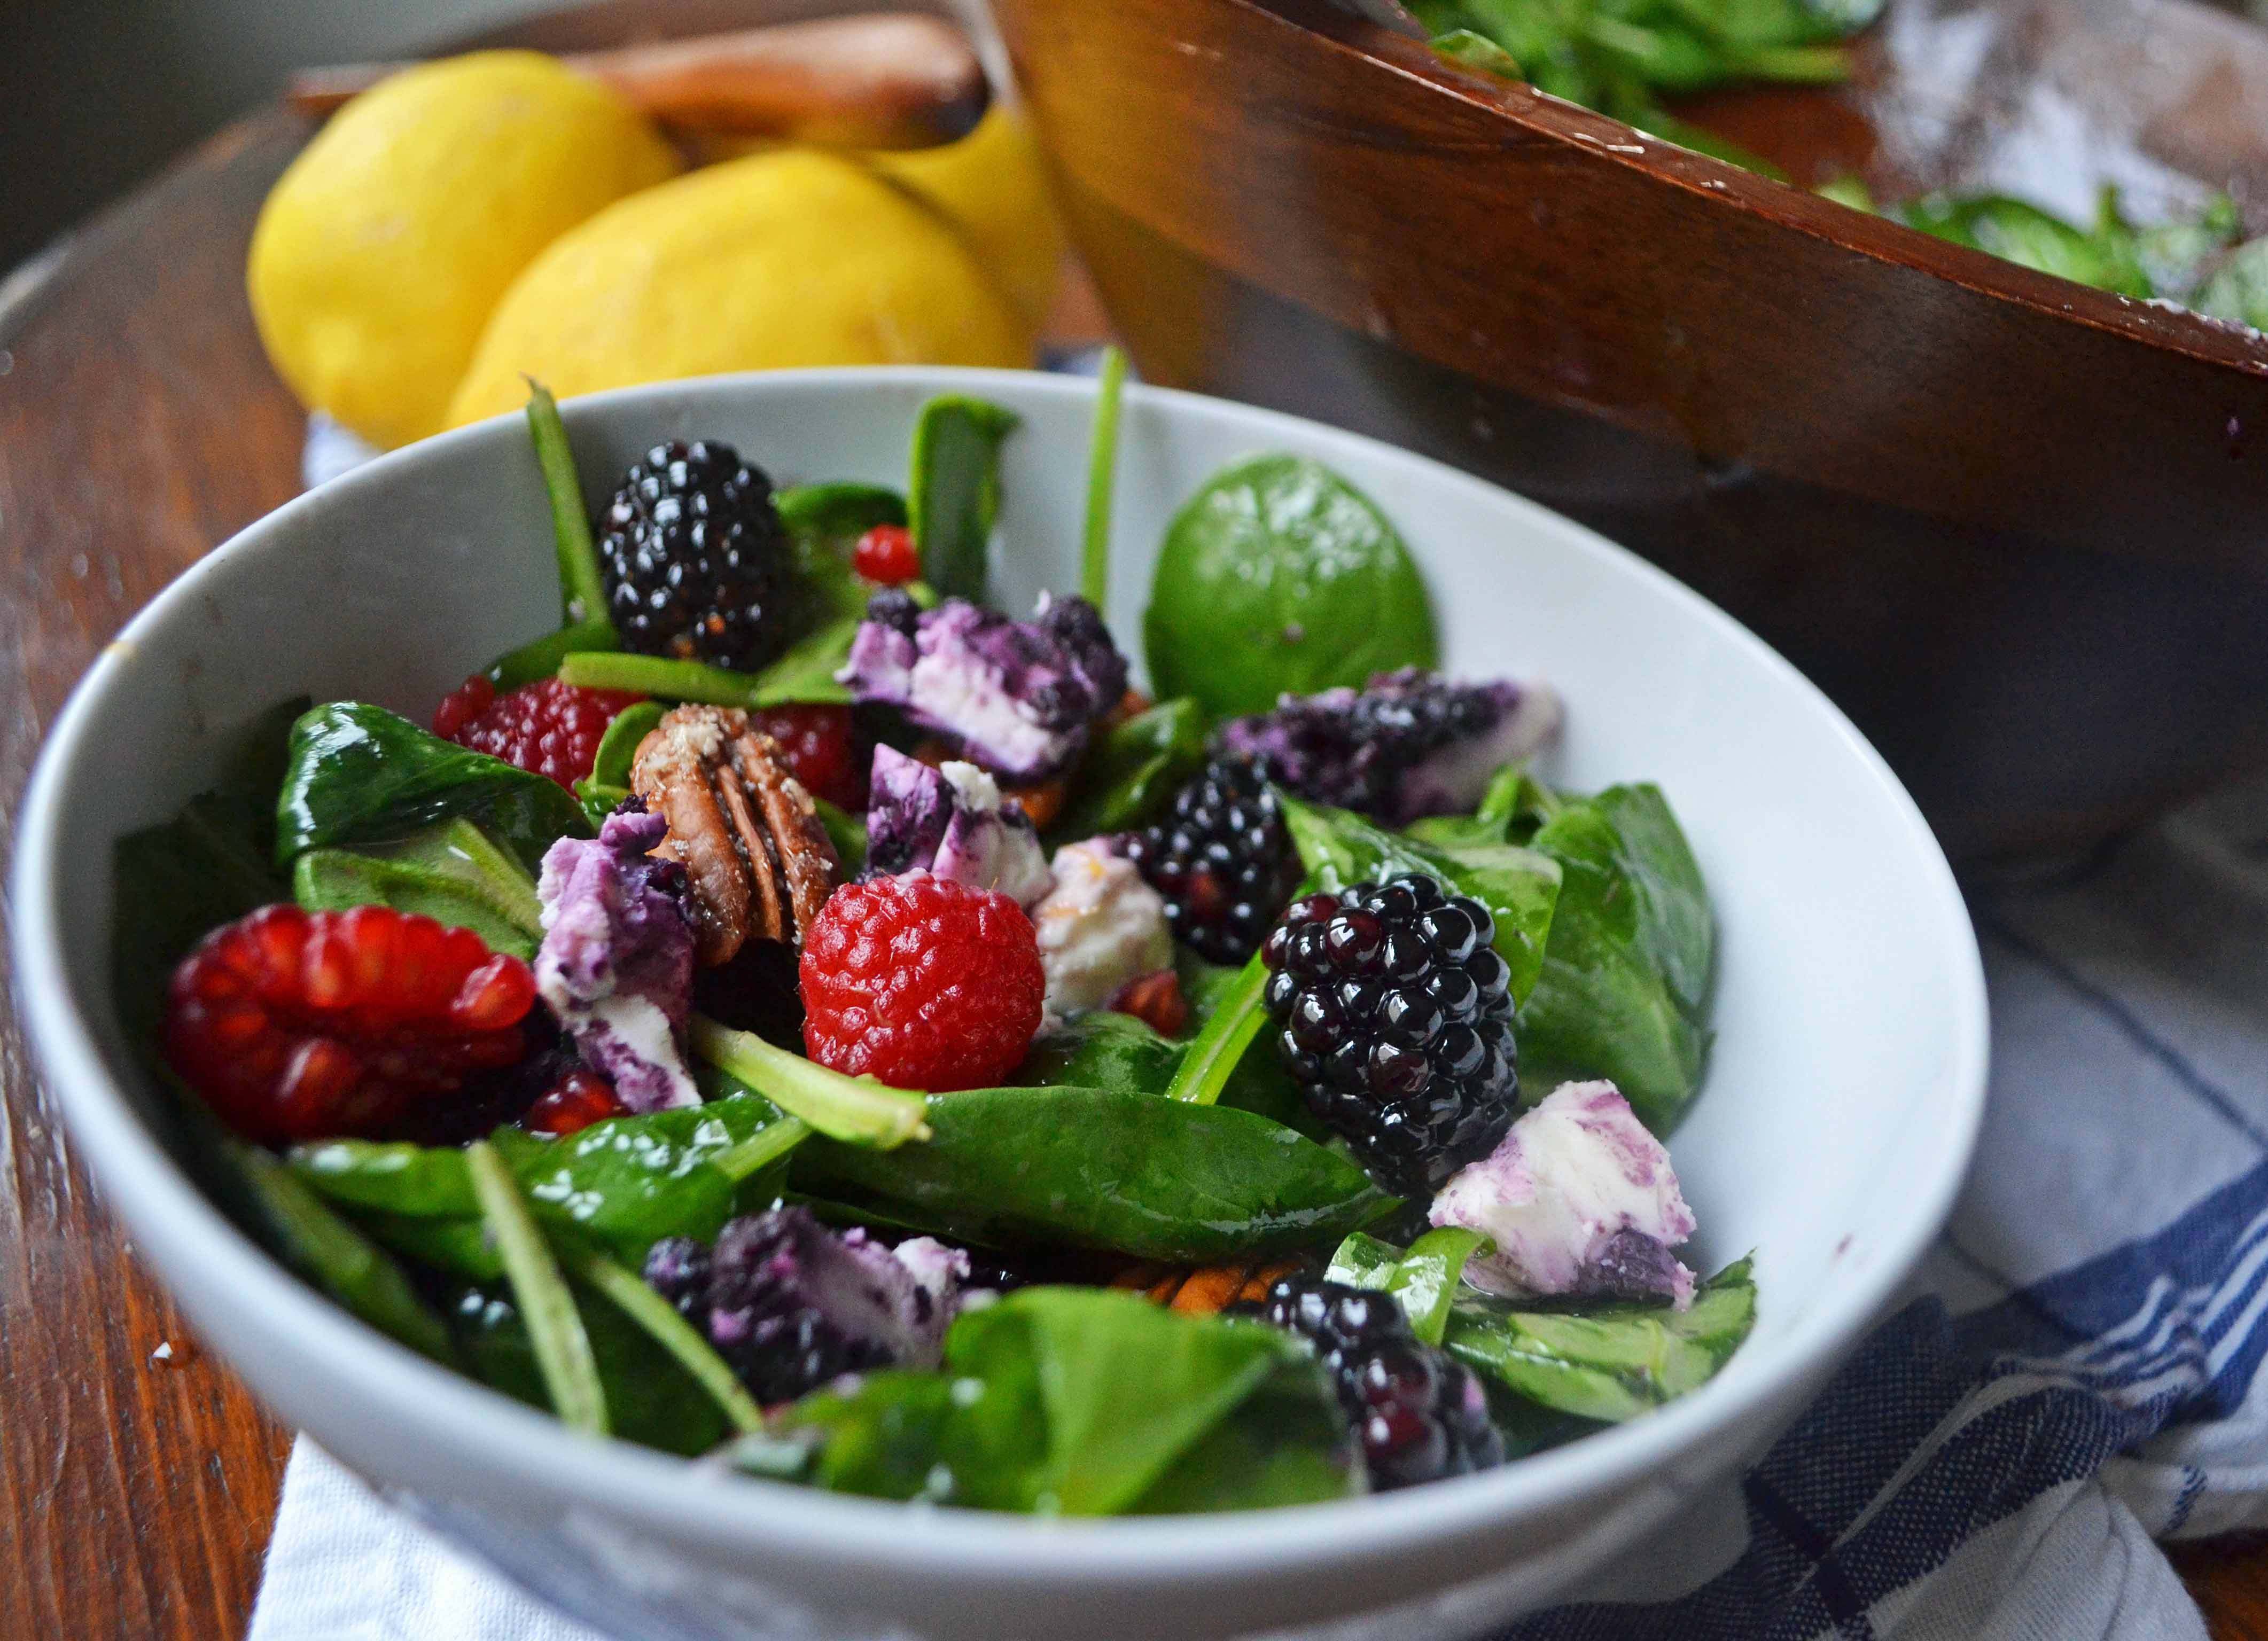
139	425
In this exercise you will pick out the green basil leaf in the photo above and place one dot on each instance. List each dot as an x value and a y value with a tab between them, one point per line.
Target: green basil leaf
954	495
1610	1363
1519	887
1102	1168
1279	576
358	773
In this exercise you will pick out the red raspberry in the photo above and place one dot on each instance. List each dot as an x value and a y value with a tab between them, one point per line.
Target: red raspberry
571	1105
921	982
547	727
886	554
817	744
301	1025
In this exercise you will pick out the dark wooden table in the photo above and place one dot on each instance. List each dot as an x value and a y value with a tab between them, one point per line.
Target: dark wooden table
139	425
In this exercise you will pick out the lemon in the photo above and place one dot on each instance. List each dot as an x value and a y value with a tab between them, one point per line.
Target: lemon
382	250
789	258
993	183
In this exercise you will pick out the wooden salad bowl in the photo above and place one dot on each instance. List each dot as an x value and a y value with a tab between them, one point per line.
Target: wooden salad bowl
2015	525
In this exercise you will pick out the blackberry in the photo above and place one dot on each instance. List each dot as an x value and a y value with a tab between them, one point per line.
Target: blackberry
697	563
1223	859
1419	1415
1396	1017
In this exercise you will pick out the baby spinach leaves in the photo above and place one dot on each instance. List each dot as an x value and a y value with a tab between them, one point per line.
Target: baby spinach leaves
358	773
838	511
1424	1278
1624	983
1101	1050
450	873
1519	887
608	782
1081	1402
1102	1168
1278	575
555	1327
954	495
1132	772
1608	1362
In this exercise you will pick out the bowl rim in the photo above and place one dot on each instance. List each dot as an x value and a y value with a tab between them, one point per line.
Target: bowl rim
445	1410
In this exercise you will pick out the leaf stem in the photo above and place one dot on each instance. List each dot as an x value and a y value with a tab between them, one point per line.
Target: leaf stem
674	1333
582	589
542	657
766	1145
1212	1058
555	1327
858	1110
1102	471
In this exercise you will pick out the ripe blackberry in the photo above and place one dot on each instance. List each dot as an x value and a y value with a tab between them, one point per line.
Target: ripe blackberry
1222	859
1419	1415
1396	1021
697	563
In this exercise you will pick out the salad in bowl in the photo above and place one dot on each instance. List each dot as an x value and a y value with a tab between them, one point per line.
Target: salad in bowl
814	1013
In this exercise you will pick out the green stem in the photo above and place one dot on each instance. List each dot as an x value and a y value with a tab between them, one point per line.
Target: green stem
555	1327
504	877
766	1145
674	1333
659	675
858	1110
541	659
1101	470
582	589
1211	1058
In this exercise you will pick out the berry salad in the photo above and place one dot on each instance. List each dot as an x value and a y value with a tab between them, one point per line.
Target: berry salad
804	1014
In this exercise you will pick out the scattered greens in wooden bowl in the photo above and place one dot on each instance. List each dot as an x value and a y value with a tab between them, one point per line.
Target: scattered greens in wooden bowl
801	1012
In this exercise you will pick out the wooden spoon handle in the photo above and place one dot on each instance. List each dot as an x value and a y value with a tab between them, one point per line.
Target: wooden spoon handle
883	80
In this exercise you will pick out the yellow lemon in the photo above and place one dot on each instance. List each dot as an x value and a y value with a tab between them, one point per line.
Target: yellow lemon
382	250
791	257
994	185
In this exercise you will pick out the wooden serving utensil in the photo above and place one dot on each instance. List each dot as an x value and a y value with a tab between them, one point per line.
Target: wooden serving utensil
881	80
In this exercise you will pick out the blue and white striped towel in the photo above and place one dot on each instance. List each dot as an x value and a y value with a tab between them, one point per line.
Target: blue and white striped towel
2072	1377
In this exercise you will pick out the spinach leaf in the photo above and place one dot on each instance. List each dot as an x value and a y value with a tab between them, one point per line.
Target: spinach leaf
1611	1363
582	586
175	882
608	782
651	1398
1084	1401
1102	1168
1519	887
1131	774
1101	472
1623	991
840	511
450	873
1425	1278
954	495
2238	289
540	657
1279	575
2108	258
553	1321
1513	796
1101	1050
624	1184
358	773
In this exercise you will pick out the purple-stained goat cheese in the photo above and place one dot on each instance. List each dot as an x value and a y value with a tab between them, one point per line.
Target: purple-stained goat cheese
1411	744
616	961
952	823
1015	697
1580	1199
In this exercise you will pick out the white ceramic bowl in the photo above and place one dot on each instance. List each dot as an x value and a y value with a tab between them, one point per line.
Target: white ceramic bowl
1841	1105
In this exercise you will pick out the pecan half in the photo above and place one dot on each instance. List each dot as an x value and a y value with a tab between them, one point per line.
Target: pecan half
743	828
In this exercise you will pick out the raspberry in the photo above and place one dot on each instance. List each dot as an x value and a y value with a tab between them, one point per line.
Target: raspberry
886	554
1396	1020
923	982
547	727
820	750
571	1105
301	1025
1419	1415
1223	860
697	561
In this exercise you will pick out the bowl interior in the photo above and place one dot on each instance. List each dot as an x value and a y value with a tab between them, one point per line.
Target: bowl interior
1847	1072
